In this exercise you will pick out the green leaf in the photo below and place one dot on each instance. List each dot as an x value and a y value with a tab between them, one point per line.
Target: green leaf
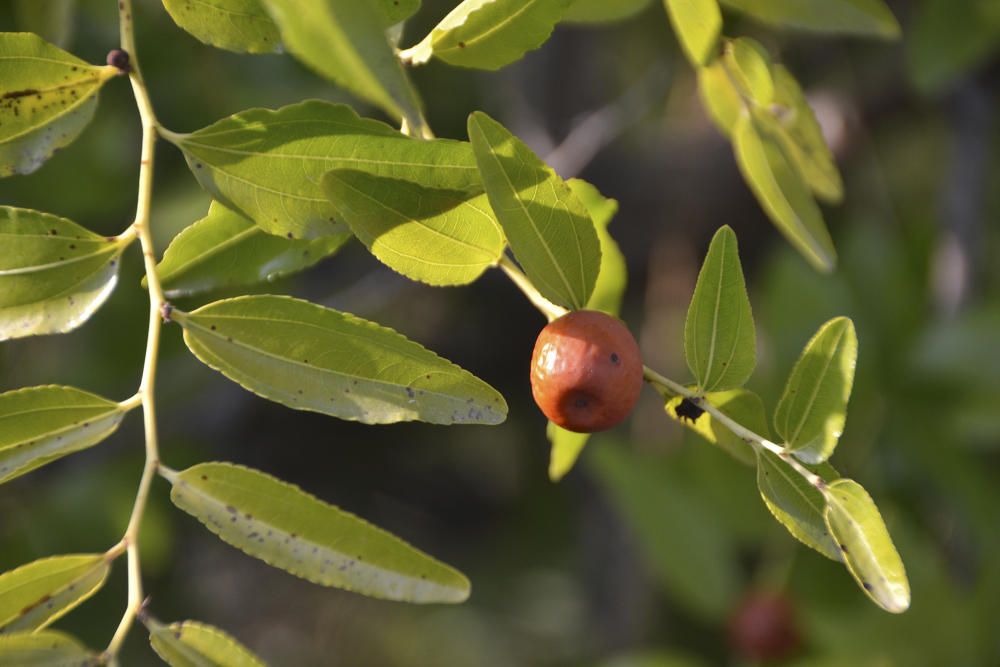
268	164
345	41
813	408
549	230
566	448
296	532
720	97
782	193
803	139
697	24
47	97
243	26
226	249
795	503
609	290
312	358
439	237
944	41
870	18
602	11
719	339
741	405
52	19
41	424
39	593
45	649
193	644
396	11
489	34
855	522
54	274
749	65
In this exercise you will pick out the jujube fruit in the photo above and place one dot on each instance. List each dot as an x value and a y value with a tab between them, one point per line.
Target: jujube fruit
586	371
763	627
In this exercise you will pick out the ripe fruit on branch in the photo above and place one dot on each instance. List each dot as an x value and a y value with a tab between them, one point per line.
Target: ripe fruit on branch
586	371
763	627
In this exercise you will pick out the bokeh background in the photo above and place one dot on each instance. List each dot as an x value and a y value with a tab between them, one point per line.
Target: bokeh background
644	550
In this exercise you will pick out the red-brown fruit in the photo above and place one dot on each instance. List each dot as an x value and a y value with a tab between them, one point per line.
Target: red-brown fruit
763	627
586	371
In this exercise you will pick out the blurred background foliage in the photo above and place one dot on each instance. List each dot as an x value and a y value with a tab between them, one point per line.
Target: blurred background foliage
640	555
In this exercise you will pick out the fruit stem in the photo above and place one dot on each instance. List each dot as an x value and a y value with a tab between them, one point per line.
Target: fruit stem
547	308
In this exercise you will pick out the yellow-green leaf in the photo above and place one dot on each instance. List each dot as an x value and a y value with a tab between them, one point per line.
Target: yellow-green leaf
548	228
741	405
312	358
870	18
602	11
37	594
782	192
697	24
47	97
813	408
749	66
721	98
566	449
193	644
294	531
243	26
855	522
609	290
45	649
439	237
41	424
719	339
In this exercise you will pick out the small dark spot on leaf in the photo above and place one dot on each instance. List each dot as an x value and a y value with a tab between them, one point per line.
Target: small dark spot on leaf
688	410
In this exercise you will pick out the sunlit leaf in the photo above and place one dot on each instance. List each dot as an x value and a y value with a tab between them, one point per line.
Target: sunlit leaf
741	405
313	358
440	237
47	97
193	644
782	193
870	18
292	530
226	249
602	11
39	593
41	424
268	164
855	522
345	41
795	503
489	34
243	26
52	19
721	98
697	24
719	339
748	65
803	138
549	229
54	274
609	290
45	649
566	449
813	408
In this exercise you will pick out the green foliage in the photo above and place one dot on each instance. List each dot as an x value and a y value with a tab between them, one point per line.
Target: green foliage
292	530
193	644
549	229
243	26
749	66
944	41
45	649
226	249
855	522
47	98
719	339
813	408
268	165
870	18
37	594
740	404
566	449
42	424
53	274
489	34
438	237
697	24
719	96
602	11
52	20
312	358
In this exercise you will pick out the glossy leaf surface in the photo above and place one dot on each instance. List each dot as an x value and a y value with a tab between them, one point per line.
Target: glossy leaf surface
313	358
39	593
294	531
193	644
